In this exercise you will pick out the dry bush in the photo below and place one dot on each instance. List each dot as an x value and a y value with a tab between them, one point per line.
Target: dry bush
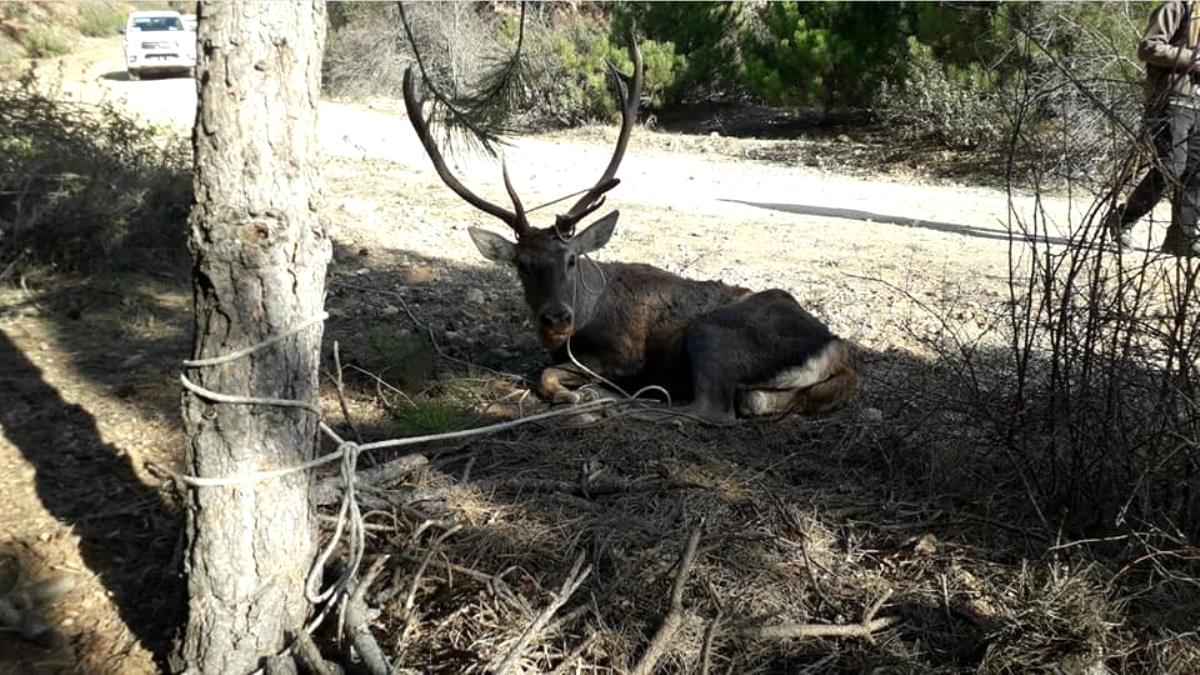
1103	394
1075	411
1086	375
83	186
367	50
100	18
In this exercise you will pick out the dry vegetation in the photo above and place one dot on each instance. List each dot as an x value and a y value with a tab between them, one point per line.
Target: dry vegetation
1014	490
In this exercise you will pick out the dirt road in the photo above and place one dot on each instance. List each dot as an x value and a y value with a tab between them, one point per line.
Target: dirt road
750	222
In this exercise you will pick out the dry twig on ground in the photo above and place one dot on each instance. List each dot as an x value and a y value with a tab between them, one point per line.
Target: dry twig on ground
674	618
308	656
864	629
329	490
574	580
570	659
358	627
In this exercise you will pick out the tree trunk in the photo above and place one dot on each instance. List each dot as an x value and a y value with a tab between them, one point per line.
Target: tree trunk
259	256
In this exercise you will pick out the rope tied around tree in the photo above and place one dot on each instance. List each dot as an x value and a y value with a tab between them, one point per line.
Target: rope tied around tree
350	524
349	521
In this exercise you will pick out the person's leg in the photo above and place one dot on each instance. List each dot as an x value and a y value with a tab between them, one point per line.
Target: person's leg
1144	197
1120	221
1179	122
1185	242
1149	191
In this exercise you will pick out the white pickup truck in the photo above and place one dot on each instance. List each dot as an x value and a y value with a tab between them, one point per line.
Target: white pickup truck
158	42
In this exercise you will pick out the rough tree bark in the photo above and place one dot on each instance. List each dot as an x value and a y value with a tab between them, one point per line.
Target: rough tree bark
259	255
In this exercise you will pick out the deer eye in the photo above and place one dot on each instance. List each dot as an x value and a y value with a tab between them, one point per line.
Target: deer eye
571	260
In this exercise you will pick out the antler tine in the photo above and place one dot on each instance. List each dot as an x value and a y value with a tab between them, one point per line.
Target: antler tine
412	104
632	85
521	224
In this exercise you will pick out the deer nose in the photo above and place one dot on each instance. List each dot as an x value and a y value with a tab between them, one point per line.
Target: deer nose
553	317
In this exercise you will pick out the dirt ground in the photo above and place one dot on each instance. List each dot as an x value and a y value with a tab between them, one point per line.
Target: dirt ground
88	405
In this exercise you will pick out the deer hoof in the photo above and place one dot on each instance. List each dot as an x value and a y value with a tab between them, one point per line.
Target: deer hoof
581	420
567	396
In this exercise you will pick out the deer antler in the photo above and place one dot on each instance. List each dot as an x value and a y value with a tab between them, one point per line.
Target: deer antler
515	219
630	86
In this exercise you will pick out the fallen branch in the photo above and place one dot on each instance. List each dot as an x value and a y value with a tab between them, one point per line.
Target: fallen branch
571	584
864	629
582	488
307	655
495	582
706	647
674	618
329	490
280	664
358	627
574	655
807	630
568	618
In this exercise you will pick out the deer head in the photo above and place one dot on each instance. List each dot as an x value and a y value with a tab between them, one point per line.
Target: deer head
561	296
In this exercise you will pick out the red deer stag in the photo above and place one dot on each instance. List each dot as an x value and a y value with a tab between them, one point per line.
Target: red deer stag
731	351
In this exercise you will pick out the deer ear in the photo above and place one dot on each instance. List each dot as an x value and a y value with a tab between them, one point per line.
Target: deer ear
596	235
492	246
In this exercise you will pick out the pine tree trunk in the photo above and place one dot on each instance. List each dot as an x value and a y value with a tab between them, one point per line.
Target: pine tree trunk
260	256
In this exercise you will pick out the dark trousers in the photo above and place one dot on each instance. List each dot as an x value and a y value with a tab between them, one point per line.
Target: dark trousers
1175	134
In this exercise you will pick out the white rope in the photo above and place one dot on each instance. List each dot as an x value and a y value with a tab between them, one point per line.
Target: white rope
349	519
245	400
571	355
261	475
349	516
233	356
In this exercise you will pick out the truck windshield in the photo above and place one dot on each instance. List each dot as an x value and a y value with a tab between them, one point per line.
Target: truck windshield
157	23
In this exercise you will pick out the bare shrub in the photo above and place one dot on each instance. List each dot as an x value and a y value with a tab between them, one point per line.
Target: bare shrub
1103	344
80	184
367	50
1087	384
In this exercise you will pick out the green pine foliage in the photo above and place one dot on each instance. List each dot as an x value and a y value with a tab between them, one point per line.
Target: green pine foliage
942	68
702	40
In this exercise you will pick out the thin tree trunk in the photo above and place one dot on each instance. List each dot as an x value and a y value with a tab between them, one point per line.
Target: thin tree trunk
259	255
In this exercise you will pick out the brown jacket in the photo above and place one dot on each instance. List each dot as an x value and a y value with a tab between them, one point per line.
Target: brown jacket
1168	48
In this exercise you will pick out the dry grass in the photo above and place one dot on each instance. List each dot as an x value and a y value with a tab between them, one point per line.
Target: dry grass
798	527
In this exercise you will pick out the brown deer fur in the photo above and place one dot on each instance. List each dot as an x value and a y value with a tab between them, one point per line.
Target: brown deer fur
729	350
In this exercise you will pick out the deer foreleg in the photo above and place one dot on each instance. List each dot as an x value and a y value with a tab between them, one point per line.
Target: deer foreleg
559	383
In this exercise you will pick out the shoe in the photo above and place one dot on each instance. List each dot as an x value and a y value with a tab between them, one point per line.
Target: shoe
1120	233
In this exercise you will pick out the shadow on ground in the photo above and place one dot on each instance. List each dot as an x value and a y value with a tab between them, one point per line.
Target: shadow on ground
125	535
886	502
123	76
902	221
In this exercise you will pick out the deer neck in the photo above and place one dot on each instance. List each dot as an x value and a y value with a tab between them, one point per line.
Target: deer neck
590	289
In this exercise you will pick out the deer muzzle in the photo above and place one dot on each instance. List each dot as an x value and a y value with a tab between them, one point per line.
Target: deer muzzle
555	325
